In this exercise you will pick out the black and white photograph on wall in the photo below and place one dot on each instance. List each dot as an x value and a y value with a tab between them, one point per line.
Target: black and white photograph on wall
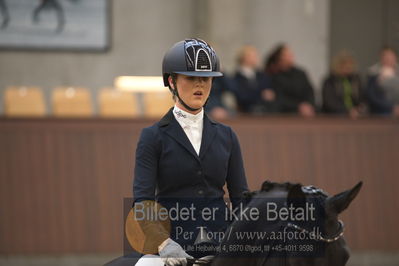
54	24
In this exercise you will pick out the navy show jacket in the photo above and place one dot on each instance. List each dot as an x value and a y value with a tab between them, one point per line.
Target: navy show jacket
167	166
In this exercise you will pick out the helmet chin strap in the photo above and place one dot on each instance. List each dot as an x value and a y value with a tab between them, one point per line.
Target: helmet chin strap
186	105
176	93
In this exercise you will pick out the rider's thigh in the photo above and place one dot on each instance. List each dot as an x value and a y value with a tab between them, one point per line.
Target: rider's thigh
150	260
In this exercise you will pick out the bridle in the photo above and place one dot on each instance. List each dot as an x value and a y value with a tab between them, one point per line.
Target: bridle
340	232
337	236
308	190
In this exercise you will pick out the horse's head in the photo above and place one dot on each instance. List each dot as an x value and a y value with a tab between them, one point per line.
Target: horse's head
331	239
324	247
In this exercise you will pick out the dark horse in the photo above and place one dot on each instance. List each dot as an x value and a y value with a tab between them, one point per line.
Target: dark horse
332	246
328	248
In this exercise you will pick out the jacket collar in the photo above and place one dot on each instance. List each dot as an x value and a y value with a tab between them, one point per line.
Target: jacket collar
169	124
169	117
187	118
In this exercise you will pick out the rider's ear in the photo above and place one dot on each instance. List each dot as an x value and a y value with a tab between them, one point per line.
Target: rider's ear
171	84
338	203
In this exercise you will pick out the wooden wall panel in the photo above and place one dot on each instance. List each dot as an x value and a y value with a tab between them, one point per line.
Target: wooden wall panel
62	182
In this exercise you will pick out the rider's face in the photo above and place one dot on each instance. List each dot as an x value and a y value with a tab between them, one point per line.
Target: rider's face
194	91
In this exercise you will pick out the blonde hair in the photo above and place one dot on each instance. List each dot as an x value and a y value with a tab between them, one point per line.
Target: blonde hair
243	51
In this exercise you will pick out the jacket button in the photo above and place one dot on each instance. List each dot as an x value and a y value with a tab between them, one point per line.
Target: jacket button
199	172
200	192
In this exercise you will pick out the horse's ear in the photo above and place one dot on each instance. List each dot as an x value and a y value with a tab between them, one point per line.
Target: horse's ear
338	203
296	196
266	186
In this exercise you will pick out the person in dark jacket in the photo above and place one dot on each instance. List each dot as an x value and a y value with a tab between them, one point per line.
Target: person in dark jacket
252	87
342	89
215	106
383	84
291	84
187	158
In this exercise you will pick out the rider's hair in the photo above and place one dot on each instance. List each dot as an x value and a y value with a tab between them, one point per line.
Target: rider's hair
174	78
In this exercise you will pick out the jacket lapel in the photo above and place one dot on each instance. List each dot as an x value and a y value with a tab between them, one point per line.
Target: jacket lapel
208	134
171	127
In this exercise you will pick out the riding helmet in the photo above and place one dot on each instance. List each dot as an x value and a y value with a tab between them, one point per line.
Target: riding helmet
191	57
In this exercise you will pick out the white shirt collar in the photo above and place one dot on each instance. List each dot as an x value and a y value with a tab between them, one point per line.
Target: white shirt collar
186	117
249	73
192	126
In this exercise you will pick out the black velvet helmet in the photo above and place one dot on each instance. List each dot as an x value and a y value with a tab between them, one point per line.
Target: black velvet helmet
191	57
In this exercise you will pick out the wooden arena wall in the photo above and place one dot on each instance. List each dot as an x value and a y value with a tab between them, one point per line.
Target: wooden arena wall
63	181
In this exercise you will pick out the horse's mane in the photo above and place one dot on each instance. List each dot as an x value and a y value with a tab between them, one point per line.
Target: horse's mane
280	193
294	189
268	185
296	193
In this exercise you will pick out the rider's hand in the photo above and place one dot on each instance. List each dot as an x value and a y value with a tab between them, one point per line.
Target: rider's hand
172	253
306	109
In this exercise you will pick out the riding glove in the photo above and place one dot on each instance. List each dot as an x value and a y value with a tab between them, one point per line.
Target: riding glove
172	253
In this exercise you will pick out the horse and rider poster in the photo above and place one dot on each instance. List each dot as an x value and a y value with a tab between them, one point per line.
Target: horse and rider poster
54	24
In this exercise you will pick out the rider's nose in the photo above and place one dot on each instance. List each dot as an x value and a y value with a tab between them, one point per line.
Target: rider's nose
200	80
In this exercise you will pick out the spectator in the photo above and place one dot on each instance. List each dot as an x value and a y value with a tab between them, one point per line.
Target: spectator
252	87
342	89
383	84
291	84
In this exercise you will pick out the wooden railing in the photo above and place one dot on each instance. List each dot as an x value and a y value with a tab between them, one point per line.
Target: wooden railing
63	181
